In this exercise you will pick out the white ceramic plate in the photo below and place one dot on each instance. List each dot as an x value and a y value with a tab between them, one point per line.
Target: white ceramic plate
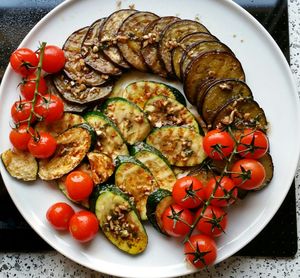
267	74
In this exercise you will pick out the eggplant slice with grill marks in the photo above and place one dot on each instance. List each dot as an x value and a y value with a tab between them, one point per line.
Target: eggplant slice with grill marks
75	66
130	38
108	36
92	53
171	36
150	45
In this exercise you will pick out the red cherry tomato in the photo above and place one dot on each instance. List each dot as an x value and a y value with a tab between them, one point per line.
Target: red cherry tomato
43	145
79	185
20	112
248	174
188	192
253	144
54	59
28	86
200	250
225	194
59	215
176	220
213	222
50	107
20	136
218	144
83	226
24	61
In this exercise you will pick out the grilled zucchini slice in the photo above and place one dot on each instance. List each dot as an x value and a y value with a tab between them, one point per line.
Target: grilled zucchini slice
20	165
72	147
92	53
108	35
171	37
141	91
156	163
129	118
118	219
135	179
162	111
109	138
150	46
210	66
180	145
55	128
132	30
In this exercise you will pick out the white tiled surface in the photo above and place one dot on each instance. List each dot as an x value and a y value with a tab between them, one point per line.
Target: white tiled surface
52	264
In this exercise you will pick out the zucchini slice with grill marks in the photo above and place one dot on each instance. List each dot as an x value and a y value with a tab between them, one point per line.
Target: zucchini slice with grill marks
135	179
20	165
141	91
132	30
180	145
156	163
92	53
72	147
150	46
129	118
172	35
108	35
109	138
157	203
162	111
119	220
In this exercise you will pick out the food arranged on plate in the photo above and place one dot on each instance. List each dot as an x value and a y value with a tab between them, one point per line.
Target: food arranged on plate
143	154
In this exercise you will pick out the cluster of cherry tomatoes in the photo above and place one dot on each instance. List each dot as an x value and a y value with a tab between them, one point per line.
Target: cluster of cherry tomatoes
35	106
201	206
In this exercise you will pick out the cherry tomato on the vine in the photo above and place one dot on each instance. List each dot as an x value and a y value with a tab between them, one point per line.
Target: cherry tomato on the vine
218	144
42	145
24	61
200	250
188	192
20	136
177	220
21	110
49	107
83	226
248	174
225	194
213	221
59	215
253	144
54	59
28	84
79	185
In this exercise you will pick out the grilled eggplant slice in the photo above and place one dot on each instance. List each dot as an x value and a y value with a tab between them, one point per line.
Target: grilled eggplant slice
171	37
218	94
267	162
180	145
75	67
109	138
108	36
241	113
184	44
127	171
20	165
72	147
132	30
79	93
150	46
141	91
92	53
162	111
210	66
129	118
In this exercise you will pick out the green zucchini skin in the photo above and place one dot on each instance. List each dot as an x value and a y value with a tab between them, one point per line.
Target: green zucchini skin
118	219
178	95
92	132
